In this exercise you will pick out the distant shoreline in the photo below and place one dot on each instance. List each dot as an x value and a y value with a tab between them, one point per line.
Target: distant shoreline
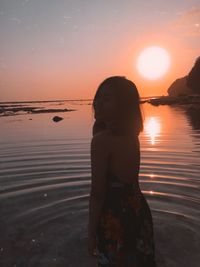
189	102
43	101
14	108
59	100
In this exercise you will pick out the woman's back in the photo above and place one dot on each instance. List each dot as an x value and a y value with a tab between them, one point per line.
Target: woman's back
125	229
124	160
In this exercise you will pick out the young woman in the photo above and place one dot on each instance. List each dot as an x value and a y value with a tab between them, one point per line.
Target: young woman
120	229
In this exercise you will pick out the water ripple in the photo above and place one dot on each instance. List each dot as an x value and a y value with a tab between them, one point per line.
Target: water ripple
44	194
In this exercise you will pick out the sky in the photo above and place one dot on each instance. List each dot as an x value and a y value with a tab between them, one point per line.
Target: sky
63	49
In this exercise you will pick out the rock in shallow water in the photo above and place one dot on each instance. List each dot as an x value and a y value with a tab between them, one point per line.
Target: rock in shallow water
57	118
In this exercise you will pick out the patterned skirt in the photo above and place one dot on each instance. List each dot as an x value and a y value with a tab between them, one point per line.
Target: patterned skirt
125	230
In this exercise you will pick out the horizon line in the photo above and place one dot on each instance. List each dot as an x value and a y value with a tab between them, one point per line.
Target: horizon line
57	100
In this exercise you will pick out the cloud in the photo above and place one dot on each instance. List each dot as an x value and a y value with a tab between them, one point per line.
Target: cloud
193	12
188	23
25	2
16	20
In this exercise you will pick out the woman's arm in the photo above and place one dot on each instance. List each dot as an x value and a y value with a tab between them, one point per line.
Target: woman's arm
99	165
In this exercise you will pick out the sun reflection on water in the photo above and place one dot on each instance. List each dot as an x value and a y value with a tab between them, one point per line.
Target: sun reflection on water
152	128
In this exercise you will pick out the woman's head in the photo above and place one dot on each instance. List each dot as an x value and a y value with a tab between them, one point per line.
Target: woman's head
117	104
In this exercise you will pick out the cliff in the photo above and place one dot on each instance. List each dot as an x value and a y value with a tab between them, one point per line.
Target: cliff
179	87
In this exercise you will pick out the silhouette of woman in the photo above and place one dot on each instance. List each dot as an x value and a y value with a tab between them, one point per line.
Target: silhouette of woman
120	228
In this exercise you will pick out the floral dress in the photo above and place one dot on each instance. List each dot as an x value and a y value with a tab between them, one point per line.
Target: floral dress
125	229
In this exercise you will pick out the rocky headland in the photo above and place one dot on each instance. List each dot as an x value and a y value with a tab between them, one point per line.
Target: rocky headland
184	92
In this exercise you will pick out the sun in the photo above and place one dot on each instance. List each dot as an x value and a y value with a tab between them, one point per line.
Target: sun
153	62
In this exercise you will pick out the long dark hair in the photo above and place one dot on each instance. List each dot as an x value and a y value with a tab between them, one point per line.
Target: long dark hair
128	114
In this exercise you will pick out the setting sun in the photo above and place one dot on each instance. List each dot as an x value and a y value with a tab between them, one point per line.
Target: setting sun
153	62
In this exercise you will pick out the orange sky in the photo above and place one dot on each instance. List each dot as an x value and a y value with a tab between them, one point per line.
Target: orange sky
63	51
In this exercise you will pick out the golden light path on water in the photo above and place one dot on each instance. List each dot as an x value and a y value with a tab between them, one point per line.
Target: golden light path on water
152	128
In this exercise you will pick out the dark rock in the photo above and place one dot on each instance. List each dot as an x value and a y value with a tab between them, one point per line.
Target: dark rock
181	100
193	78
57	118
187	85
179	88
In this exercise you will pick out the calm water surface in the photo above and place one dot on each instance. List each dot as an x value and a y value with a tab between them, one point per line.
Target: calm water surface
45	181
